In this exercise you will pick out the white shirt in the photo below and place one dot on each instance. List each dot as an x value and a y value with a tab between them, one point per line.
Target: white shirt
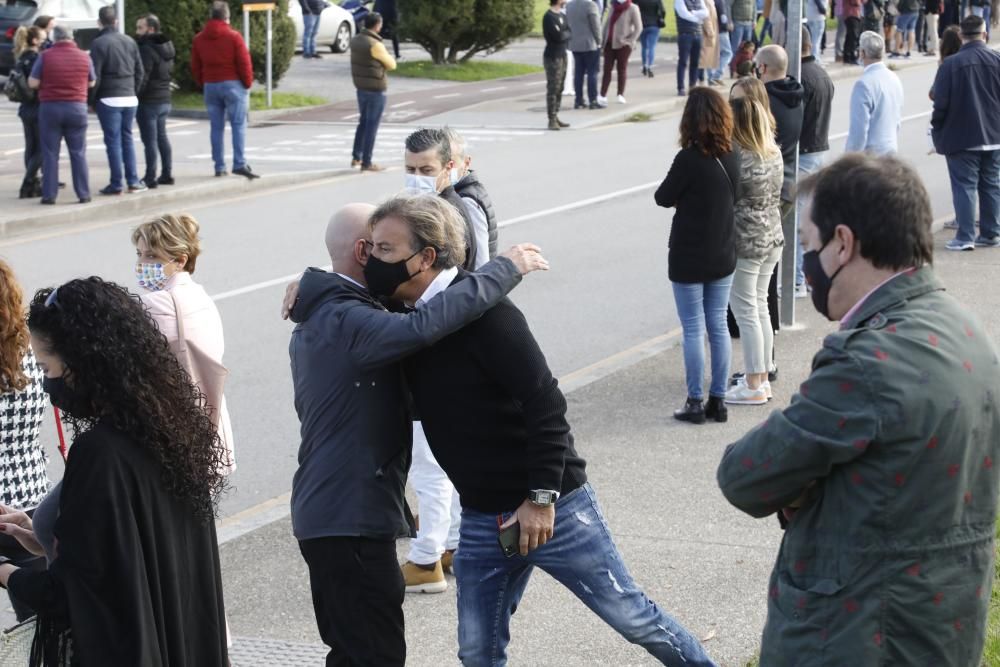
698	16
131	101
438	285
352	280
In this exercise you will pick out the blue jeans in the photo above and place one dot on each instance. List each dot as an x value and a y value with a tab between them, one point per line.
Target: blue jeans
371	104
582	557
585	62
116	123
152	119
701	306
816	29
809	163
688	54
725	55
972	173
742	32
310	26
647	39
55	121
227	100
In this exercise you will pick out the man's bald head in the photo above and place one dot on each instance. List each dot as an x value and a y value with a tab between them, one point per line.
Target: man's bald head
347	225
773	61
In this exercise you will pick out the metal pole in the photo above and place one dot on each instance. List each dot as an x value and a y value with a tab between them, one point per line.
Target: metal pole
790	222
268	58
120	11
246	28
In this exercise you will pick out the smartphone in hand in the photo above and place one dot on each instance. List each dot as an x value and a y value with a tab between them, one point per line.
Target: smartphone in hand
510	539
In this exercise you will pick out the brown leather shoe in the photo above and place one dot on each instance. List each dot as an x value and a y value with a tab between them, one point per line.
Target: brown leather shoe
372	167
355	163
448	561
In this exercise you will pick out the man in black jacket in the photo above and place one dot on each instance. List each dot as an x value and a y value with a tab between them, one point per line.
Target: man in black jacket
157	54
119	72
817	88
496	422
347	494
556	31
312	11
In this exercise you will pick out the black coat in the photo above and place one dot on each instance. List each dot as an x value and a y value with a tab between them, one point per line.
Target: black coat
388	10
786	97
703	234
117	65
157	53
136	572
818	97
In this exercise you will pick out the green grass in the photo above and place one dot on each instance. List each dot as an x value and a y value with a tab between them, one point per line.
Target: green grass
639	117
474	70
991	650
258	100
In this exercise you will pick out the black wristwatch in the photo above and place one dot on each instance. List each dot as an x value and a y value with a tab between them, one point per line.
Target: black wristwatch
543	497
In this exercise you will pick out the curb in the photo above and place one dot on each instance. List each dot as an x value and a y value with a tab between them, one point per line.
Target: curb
112	208
262	115
676	104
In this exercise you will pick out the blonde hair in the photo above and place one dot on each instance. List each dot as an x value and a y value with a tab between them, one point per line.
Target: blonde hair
171	235
433	223
13	332
754	127
23	37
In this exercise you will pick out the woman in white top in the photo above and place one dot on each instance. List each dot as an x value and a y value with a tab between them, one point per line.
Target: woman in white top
167	249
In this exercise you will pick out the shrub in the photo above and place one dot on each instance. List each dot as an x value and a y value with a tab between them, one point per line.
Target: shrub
183	19
447	28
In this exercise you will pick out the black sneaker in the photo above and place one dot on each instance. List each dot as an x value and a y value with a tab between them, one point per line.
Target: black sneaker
220	174
245	171
594	105
165	180
109	191
48	202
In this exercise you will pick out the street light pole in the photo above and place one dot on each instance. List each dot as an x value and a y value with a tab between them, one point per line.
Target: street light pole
790	223
120	12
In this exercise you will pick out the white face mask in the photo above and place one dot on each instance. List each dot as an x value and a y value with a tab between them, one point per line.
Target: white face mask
421	183
454	176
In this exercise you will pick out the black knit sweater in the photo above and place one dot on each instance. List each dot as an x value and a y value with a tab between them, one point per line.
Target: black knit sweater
493	414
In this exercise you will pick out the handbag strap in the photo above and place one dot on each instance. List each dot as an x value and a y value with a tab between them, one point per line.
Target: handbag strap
732	190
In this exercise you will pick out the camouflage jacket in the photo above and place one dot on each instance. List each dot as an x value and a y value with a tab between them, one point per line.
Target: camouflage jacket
893	439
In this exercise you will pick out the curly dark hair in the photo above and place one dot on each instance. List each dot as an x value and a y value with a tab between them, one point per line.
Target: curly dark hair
118	360
13	332
707	123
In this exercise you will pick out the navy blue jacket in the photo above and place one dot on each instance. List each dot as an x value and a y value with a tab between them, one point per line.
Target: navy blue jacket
966	99
352	403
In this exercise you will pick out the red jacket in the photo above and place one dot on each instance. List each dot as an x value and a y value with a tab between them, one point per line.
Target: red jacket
220	54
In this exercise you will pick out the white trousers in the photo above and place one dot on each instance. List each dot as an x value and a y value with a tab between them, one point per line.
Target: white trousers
748	299
437	504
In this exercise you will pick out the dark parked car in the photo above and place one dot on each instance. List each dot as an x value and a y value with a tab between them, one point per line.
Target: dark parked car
79	15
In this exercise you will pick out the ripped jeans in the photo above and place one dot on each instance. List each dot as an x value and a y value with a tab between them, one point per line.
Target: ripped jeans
580	556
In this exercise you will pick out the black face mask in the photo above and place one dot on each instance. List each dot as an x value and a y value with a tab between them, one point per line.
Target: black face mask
63	397
384	278
818	280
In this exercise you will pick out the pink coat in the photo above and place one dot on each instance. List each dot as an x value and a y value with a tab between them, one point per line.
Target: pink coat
202	329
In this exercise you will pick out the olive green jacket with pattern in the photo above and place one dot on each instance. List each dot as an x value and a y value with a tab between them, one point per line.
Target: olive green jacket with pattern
893	439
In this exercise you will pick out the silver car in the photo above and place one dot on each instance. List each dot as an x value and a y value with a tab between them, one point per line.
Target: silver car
336	27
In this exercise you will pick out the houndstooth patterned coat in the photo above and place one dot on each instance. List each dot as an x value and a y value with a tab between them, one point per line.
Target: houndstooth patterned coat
23	480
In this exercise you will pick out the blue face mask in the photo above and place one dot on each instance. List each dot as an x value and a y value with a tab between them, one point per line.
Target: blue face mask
151	276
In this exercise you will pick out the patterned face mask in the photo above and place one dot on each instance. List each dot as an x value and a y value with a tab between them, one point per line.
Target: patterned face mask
151	276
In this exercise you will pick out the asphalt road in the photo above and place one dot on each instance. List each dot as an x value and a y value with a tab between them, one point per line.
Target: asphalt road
606	293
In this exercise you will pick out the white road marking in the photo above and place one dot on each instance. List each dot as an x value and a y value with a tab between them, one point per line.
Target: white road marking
491	90
536	83
441	97
402	104
353	116
904	119
579	204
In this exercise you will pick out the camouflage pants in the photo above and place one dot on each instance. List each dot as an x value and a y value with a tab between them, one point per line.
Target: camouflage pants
555	77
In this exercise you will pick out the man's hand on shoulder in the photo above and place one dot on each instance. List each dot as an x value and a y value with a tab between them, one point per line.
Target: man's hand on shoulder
537	525
527	257
291	296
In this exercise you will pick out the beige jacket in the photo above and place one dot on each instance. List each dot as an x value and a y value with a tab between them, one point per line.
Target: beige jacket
627	29
710	39
202	329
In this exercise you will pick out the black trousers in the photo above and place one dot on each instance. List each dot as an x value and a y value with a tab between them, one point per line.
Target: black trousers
357	591
851	37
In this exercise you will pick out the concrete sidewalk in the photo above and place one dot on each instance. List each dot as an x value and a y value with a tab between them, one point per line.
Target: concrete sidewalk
703	561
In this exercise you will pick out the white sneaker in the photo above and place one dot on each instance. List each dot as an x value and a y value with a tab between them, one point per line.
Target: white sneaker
621	99
801	291
602	101
744	395
767	390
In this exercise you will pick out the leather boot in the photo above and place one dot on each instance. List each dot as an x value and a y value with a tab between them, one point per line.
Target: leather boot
693	411
716	409
561	122
554	124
